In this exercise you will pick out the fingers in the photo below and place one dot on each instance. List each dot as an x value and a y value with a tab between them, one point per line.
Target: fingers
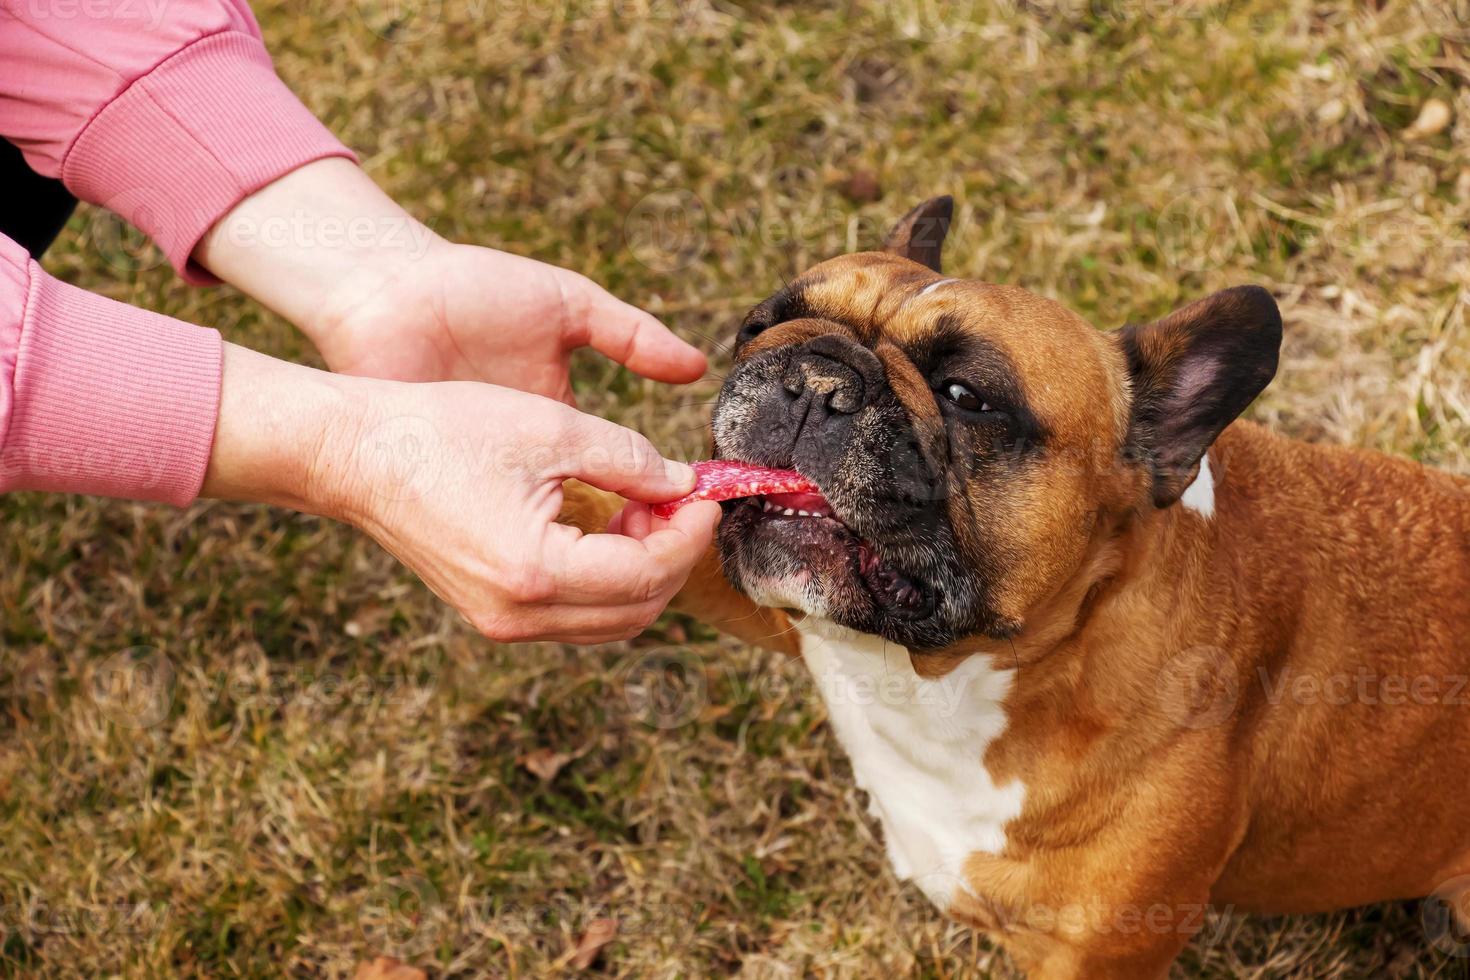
635	339
635	520
583	625
611	569
618	610
608	588
618	460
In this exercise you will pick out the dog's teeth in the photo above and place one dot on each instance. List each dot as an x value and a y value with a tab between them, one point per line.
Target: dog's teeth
789	512
804	513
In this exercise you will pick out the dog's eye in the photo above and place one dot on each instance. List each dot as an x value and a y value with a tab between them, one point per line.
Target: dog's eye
964	397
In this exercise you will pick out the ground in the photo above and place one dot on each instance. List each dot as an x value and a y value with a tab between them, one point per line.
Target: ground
319	762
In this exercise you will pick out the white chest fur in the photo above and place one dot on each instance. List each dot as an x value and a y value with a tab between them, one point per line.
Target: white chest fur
917	747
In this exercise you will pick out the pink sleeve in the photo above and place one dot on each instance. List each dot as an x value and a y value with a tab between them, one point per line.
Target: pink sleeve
97	396
167	112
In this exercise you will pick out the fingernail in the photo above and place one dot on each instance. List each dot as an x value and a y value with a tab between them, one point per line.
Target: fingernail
679	474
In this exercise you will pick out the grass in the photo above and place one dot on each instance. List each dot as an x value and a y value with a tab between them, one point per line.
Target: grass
337	767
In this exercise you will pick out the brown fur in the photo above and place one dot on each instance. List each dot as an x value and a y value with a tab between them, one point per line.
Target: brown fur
1320	561
1161	719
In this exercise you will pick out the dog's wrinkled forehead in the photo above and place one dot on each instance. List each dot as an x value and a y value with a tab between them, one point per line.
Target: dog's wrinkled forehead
1047	361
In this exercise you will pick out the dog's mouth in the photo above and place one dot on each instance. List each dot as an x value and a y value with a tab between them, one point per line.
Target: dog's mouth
805	514
785	505
815	532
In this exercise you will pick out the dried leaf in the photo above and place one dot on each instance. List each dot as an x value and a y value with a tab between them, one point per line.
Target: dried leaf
599	933
369	619
1331	111
862	187
1433	118
544	764
387	968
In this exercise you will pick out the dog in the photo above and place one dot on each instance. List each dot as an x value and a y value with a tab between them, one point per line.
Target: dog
1102	655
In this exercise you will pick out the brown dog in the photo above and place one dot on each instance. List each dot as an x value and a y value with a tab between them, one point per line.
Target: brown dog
1101	654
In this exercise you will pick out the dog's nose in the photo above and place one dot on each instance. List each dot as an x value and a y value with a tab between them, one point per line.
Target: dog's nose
838	372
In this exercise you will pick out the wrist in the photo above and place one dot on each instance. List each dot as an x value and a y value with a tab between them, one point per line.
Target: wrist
284	435
316	244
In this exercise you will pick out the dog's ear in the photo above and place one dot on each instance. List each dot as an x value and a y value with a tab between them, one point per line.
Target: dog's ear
919	235
1192	373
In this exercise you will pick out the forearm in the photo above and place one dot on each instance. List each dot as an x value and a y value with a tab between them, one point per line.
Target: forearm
280	434
98	397
314	243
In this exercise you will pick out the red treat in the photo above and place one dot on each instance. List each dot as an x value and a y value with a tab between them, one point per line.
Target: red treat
727	479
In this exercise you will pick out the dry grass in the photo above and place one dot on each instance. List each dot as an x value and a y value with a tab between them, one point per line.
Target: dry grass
339	767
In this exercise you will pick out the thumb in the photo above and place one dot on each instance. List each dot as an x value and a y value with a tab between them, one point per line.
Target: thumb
638	341
619	460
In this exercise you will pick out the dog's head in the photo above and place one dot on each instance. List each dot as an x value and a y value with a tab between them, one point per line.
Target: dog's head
970	440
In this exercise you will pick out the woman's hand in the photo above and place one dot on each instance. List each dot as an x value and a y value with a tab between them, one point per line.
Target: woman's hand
383	296
468	313
462	482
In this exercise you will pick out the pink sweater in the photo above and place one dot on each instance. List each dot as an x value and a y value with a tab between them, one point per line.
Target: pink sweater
168	115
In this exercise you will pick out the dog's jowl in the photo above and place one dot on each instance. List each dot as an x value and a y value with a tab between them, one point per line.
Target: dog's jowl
1076	625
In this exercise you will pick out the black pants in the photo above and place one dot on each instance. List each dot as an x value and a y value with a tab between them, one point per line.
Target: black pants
33	209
